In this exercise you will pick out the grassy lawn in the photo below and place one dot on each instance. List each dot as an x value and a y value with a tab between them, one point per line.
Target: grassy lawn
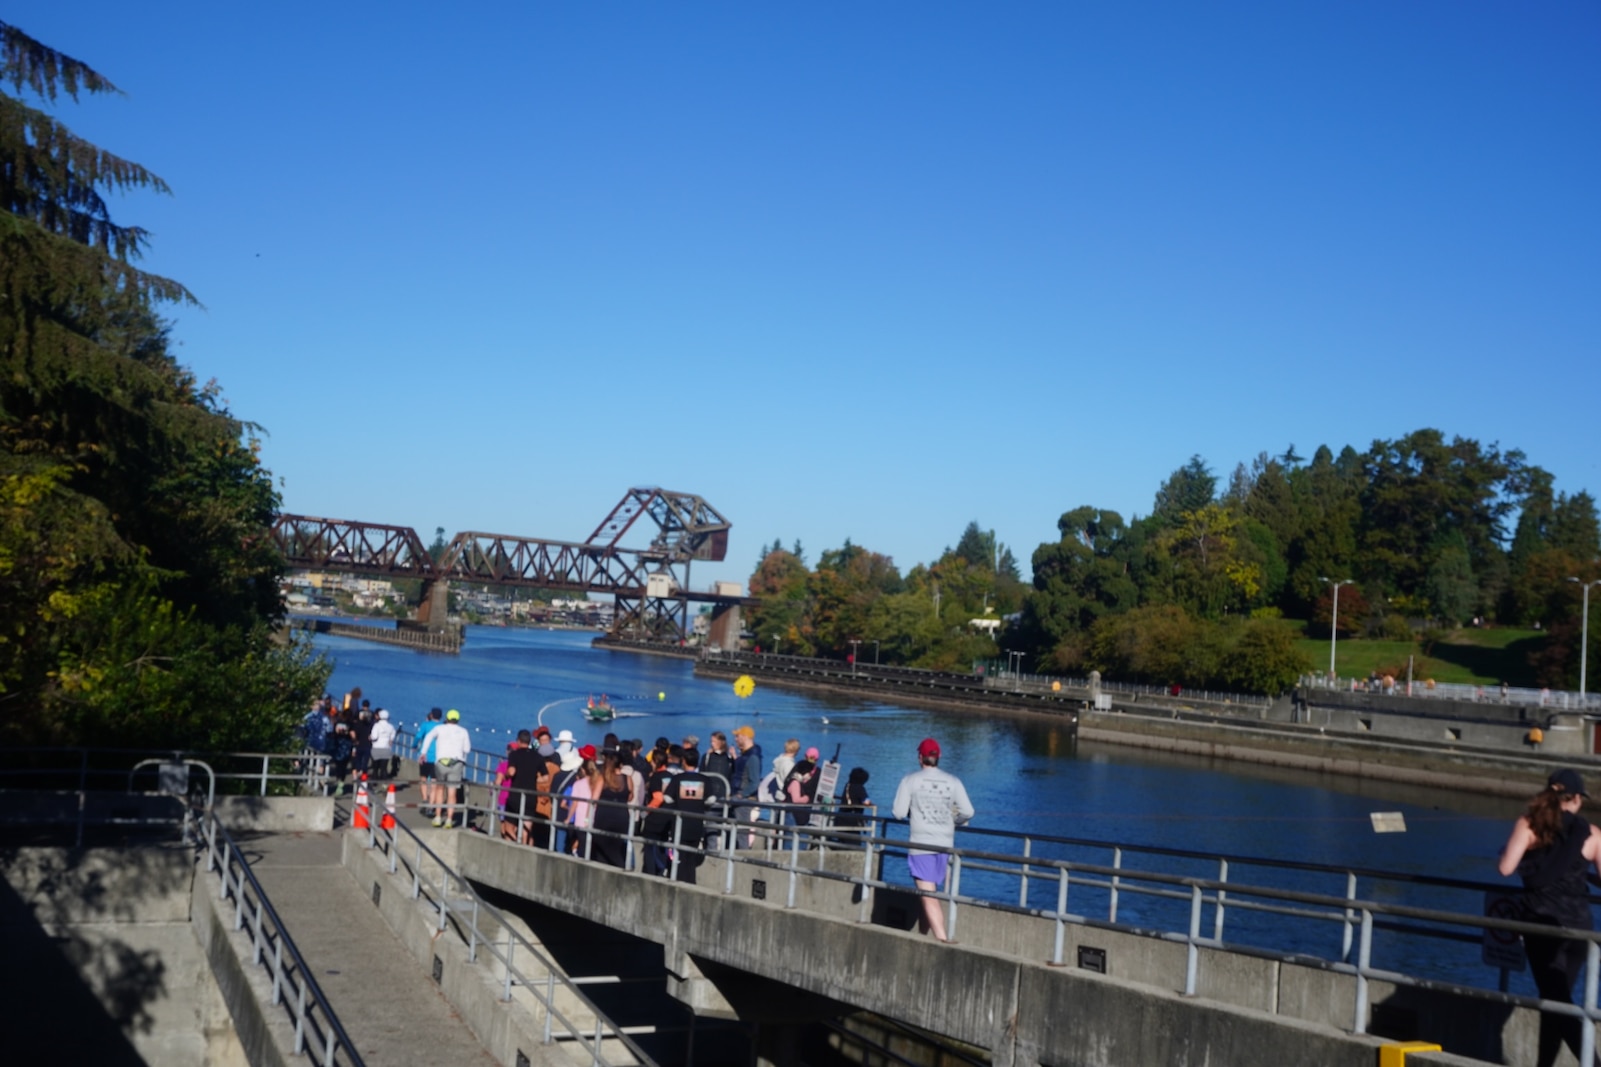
1473	657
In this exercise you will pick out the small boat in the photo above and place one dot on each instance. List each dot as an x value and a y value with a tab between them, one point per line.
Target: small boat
601	712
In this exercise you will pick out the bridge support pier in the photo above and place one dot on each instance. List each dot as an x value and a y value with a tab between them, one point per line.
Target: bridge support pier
434	608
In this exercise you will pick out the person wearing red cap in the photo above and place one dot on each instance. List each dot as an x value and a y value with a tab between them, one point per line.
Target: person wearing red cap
936	803
1553	849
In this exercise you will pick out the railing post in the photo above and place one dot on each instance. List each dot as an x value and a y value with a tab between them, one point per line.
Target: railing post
211	843
794	865
278	969
1364	954
630	855
1592	961
596	1053
1022	892
1217	919
264	768
678	837
866	914
1192	962
511	945
1061	915
256	949
1117	864
728	852
550	1003
300	1013
1350	919
472	933
952	889
416	872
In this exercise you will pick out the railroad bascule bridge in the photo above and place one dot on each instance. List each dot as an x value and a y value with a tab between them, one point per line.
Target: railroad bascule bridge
650	586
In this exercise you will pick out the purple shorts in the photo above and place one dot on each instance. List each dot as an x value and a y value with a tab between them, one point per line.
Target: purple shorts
929	867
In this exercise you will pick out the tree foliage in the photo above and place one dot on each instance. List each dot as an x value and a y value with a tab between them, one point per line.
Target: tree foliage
138	585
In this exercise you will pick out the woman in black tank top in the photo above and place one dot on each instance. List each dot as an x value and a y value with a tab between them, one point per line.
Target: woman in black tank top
1555	851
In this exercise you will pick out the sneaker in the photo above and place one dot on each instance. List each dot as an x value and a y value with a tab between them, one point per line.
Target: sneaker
439	822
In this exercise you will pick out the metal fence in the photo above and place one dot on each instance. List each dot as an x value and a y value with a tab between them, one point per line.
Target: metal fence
521	962
318	1032
1523	696
1350	930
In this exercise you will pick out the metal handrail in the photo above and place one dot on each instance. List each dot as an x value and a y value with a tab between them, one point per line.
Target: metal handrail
268	930
387	842
1357	917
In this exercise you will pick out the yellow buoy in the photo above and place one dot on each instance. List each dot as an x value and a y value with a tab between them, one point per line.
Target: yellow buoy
744	686
661	696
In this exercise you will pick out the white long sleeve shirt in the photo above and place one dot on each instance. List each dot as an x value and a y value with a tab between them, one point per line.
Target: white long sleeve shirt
936	803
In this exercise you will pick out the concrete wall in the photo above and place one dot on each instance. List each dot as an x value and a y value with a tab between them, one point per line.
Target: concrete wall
507	1029
1003	998
1487	724
102	963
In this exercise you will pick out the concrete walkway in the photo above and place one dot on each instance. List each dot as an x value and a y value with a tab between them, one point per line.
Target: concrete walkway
386	1001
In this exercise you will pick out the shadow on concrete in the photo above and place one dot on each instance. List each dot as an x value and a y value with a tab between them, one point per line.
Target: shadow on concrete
72	990
1426	1015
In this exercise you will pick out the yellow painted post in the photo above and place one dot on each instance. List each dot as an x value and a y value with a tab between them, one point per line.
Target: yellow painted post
1395	1055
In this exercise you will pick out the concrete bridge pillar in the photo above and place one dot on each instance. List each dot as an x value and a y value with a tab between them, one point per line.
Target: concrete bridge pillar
434	608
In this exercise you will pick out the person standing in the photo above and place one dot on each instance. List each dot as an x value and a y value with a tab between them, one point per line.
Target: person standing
383	746
1555	851
451	745
425	761
718	760
746	779
936	803
687	796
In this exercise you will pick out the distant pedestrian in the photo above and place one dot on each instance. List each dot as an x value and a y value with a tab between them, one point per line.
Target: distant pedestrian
425	760
383	745
746	779
451	745
687	796
1554	850
853	803
340	749
718	760
936	803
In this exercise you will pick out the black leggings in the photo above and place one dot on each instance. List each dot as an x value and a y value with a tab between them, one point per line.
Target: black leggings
1554	964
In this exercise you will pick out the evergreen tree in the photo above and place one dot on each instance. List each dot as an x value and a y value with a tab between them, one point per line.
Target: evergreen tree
138	586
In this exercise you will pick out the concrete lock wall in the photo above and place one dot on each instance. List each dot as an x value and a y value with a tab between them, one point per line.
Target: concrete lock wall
1486	724
993	989
102	959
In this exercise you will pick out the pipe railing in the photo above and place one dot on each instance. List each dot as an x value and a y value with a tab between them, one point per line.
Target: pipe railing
781	848
318	1033
465	913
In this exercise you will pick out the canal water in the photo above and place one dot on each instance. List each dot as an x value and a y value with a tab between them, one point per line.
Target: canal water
1022	773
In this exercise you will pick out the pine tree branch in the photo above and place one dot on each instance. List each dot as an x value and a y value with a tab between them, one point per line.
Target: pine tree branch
26	62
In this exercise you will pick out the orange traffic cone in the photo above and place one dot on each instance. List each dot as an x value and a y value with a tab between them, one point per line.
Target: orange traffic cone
388	821
358	815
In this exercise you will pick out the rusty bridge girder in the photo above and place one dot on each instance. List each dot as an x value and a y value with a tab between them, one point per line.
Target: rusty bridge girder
650	585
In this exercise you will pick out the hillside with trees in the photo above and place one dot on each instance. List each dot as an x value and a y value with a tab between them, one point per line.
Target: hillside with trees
1221	584
138	585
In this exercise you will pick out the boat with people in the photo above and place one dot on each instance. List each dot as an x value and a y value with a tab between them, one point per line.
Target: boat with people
599	712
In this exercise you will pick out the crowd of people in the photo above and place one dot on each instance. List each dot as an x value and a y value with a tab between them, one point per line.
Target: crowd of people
357	738
675	800
552	792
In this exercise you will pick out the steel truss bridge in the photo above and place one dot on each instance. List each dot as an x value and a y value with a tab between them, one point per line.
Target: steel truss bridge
650	585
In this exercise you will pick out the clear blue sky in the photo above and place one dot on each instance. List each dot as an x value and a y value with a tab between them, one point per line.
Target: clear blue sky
863	271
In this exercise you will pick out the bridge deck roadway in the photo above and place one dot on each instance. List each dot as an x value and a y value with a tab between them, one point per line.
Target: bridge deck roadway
383	997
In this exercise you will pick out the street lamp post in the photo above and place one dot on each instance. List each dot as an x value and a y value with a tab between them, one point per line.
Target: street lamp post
1334	621
1584	637
775	644
875	652
854	643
